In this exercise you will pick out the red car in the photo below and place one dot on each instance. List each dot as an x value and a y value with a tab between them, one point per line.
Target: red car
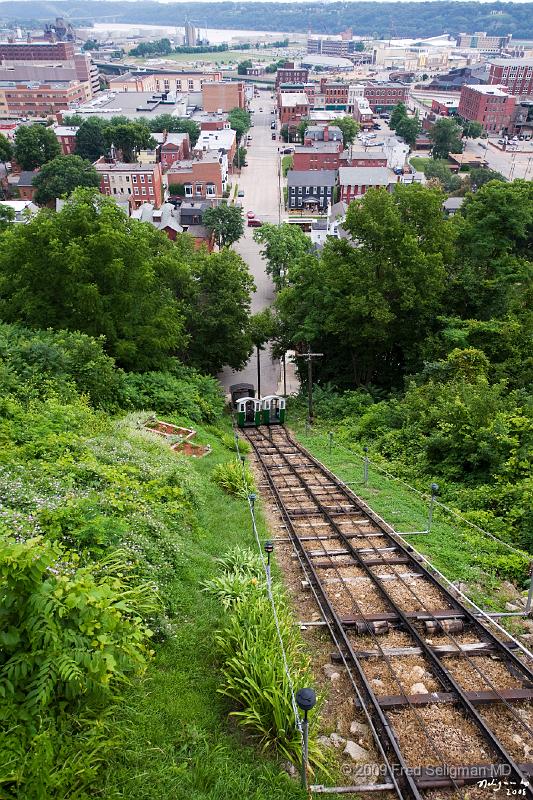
250	214
254	223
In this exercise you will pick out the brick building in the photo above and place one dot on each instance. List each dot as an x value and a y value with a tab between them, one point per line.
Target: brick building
224	140
288	73
163	81
66	136
322	155
201	179
138	183
368	159
172	147
446	108
384	96
335	92
48	62
223	95
322	133
293	107
514	73
490	105
28	99
355	181
37	51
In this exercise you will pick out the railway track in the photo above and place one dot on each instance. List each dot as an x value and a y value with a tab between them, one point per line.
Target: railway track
447	700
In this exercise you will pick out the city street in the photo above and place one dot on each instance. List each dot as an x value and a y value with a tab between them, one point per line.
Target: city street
260	182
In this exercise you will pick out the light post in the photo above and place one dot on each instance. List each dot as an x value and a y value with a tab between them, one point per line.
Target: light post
434	489
269	549
306	699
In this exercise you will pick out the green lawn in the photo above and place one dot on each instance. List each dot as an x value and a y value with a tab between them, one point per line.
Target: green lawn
286	164
418	162
180	745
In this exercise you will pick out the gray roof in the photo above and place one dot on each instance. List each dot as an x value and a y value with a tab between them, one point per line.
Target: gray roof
165	217
319	147
312	177
369	155
339	209
333	130
26	177
366	176
453	203
512	62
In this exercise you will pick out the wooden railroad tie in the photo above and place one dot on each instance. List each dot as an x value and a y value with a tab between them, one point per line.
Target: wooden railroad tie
476	698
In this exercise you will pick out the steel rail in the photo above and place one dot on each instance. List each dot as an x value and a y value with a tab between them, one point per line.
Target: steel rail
333	619
445	677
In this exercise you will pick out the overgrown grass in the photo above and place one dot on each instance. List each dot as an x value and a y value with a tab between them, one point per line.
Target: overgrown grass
418	162
286	164
457	550
178	740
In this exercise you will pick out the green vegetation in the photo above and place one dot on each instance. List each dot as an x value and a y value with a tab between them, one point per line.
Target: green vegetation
226	223
34	146
252	663
349	128
446	135
405	126
286	164
283	244
151	298
108	673
243	66
440	169
61	176
427	326
419	163
240	121
234	478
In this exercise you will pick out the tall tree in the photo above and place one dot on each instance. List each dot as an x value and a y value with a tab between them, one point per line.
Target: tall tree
440	169
399	112
261	329
225	222
61	176
409	128
243	66
129	138
166	122
35	145
89	268
371	308
218	308
6	149
7	215
91	141
446	137
471	128
240	121
349	128
283	244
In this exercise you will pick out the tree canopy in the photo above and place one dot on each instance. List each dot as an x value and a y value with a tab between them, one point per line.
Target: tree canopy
90	268
349	128
283	244
61	176
446	136
6	149
225	222
34	146
240	121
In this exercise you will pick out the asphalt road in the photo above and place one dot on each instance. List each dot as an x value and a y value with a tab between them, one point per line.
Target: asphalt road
260	182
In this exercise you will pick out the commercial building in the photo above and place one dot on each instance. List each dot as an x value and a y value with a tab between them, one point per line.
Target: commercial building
446	108
322	133
311	190
288	73
133	105
514	73
366	159
293	107
384	96
335	93
200	179
37	61
492	106
138	183
326	63
163	81
222	95
355	181
29	99
480	41
343	45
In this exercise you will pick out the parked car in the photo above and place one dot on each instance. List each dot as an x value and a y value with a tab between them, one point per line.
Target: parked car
288	151
376	127
250	214
371	135
244	163
273	125
254	223
240	193
260	109
274	135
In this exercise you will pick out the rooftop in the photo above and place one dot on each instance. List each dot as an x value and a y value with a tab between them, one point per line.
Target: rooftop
492	89
369	155
119	166
66	130
366	176
294	99
133	104
210	157
512	62
319	147
312	177
215	140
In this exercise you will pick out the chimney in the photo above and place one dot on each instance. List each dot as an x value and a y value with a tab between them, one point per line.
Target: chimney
326	133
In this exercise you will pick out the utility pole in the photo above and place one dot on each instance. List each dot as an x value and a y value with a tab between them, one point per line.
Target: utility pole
309	358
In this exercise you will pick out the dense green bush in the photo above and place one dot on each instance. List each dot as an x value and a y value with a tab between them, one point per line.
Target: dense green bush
253	670
235	478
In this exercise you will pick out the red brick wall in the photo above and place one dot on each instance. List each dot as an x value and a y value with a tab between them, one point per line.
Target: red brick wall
221	95
303	161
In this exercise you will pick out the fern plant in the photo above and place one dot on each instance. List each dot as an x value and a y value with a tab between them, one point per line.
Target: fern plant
235	478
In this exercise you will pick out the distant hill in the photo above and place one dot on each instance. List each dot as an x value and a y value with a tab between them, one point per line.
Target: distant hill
365	18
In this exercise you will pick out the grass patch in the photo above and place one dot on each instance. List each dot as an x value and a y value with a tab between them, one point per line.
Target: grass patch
418	162
179	744
457	550
286	164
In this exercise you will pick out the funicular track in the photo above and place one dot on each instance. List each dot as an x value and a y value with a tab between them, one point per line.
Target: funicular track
373	594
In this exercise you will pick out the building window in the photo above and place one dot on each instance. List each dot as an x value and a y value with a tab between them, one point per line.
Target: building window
191	85
188	190
150	178
134	178
210	190
178	85
198	188
142	178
